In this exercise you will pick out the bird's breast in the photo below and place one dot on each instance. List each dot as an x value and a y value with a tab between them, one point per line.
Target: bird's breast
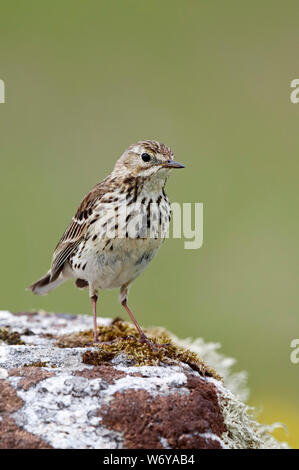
123	240
112	263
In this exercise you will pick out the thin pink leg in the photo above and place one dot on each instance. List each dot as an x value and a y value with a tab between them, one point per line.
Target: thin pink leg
94	299
124	304
143	337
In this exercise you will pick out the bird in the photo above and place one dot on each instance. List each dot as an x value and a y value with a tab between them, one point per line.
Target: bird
117	229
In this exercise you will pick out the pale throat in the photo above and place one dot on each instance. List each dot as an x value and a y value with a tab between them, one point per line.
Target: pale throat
154	184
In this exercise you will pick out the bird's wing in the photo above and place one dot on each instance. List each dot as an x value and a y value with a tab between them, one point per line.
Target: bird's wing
78	226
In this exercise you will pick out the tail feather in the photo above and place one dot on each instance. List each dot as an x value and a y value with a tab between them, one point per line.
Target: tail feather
46	284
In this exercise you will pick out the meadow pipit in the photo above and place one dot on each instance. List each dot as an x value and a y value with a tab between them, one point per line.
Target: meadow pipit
117	229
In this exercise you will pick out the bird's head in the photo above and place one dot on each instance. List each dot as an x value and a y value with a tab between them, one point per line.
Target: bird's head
146	159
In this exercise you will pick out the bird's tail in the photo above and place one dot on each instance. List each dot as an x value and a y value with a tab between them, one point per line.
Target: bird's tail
44	285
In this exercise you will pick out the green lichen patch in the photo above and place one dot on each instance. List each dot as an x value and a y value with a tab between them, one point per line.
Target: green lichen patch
10	337
122	338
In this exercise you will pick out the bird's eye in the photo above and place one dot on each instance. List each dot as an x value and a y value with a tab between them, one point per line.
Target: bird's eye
145	157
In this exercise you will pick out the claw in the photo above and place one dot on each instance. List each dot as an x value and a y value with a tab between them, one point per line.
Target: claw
154	346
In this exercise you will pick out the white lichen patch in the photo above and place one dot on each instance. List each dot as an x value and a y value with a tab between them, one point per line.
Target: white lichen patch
18	356
163	383
44	323
3	373
62	410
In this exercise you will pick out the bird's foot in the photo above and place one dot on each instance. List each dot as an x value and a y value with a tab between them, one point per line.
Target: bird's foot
97	341
154	346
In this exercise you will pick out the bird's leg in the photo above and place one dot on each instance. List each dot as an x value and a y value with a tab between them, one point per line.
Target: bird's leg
142	337
124	304
94	299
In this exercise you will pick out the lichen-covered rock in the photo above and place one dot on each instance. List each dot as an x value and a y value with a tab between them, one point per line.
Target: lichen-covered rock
58	390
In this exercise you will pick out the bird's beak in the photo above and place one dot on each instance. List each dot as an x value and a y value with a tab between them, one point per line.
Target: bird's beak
172	164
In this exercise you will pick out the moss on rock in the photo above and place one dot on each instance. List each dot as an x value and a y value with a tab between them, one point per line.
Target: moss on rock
10	337
122	338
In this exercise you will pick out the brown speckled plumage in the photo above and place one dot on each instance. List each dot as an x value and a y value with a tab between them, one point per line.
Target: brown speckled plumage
132	205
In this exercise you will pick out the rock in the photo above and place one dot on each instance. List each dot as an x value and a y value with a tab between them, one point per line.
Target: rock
60	391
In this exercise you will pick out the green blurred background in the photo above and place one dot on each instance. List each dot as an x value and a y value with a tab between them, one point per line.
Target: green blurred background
85	79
